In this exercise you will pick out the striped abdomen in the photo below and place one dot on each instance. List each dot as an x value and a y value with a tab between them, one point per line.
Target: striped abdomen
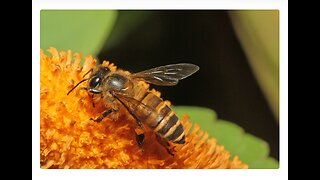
162	119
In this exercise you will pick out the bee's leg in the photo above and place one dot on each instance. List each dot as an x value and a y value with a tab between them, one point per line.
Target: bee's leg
92	96
138	123
139	133
165	144
140	139
103	115
93	105
140	136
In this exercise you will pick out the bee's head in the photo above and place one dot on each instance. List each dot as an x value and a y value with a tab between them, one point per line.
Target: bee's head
96	78
94	81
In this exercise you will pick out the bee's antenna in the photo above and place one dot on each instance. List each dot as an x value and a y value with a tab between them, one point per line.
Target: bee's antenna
77	85
91	70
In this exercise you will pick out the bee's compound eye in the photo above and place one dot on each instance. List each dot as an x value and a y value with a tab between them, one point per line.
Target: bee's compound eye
94	82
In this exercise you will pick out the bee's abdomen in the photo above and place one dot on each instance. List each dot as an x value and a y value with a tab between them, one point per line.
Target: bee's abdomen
171	129
164	121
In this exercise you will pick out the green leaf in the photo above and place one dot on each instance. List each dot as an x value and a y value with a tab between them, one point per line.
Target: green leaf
268	163
127	22
205	117
82	31
228	134
251	150
196	112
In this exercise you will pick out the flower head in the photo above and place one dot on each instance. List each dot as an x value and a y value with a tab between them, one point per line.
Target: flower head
68	139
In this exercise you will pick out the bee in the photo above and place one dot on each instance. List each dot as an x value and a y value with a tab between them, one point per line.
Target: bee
146	108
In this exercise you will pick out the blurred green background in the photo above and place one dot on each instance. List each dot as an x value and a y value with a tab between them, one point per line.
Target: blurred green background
238	55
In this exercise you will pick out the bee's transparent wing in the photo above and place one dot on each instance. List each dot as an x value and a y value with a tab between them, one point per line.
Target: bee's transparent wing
168	75
136	108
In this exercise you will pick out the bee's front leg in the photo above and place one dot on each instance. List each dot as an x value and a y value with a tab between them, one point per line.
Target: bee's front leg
93	105
103	115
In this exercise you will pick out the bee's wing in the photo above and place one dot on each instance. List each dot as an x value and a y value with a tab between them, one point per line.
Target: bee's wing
136	108
168	75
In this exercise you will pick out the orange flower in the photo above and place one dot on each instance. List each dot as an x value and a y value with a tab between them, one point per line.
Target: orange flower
68	139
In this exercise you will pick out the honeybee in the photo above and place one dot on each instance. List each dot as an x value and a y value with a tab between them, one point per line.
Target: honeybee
145	107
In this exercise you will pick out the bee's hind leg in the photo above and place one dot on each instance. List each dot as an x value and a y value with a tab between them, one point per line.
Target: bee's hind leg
166	145
139	133
103	115
140	139
140	136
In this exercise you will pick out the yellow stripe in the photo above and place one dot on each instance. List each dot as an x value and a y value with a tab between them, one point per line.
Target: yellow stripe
172	129
140	94
160	106
164	121
154	115
179	138
146	99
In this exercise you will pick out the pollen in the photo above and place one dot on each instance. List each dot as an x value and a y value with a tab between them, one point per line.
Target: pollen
69	139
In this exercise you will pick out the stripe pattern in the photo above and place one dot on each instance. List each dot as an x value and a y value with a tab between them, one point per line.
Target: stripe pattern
163	121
